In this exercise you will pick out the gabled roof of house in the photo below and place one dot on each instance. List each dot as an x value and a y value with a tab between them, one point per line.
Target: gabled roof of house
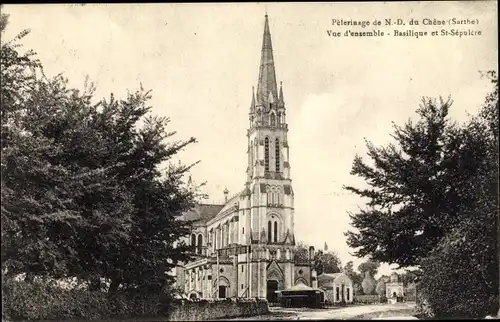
327	280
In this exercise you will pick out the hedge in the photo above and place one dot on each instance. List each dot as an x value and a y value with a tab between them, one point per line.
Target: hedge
43	301
366	299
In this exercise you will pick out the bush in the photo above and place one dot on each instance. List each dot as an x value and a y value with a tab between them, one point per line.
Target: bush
366	299
45	301
460	277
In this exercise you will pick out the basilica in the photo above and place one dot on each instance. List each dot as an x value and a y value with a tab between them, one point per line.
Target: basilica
246	246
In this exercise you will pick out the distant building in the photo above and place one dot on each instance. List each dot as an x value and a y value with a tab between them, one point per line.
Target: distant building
245	247
394	289
337	287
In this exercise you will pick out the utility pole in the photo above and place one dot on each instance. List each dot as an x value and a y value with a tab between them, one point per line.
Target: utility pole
218	280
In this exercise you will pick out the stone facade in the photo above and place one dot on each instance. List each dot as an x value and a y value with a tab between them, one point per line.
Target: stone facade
337	287
394	289
246	246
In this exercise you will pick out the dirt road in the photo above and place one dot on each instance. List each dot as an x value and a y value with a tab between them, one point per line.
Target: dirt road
343	313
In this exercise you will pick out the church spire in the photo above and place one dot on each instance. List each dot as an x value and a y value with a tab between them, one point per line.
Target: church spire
280	97
267	75
252	106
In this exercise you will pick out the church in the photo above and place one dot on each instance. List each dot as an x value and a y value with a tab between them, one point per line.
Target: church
246	246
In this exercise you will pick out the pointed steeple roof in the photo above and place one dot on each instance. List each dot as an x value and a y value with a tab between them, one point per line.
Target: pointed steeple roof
267	74
252	106
280	97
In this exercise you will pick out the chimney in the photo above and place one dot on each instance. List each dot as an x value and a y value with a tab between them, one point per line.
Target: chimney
226	192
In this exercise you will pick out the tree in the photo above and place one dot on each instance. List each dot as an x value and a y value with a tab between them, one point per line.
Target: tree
83	194
409	277
349	269
417	188
368	270
301	253
324	262
327	262
369	266
355	277
368	284
433	200
4	20
380	288
450	286
466	260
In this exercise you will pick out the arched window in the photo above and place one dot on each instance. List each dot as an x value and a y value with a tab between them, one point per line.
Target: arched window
193	240
269	231
275	231
266	154
273	119
277	152
200	243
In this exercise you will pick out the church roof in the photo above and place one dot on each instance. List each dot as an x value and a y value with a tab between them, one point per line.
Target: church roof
266	86
202	213
230	203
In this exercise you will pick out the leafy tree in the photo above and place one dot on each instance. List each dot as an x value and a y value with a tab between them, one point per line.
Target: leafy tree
380	288
368	284
410	291
4	20
368	270
327	262
349	269
418	187
369	266
432	204
355	277
83	194
324	262
466	260
301	253
409	277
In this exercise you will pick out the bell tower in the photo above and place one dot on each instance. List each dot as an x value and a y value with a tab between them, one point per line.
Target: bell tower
268	172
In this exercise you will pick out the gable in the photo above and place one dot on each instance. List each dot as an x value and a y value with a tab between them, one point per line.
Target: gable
274	271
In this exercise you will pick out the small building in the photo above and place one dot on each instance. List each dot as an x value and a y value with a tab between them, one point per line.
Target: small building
337	287
394	290
301	295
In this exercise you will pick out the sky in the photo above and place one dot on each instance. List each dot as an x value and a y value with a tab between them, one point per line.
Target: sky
201	61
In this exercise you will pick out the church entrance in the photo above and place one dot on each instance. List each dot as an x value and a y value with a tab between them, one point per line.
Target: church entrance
272	286
222	292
